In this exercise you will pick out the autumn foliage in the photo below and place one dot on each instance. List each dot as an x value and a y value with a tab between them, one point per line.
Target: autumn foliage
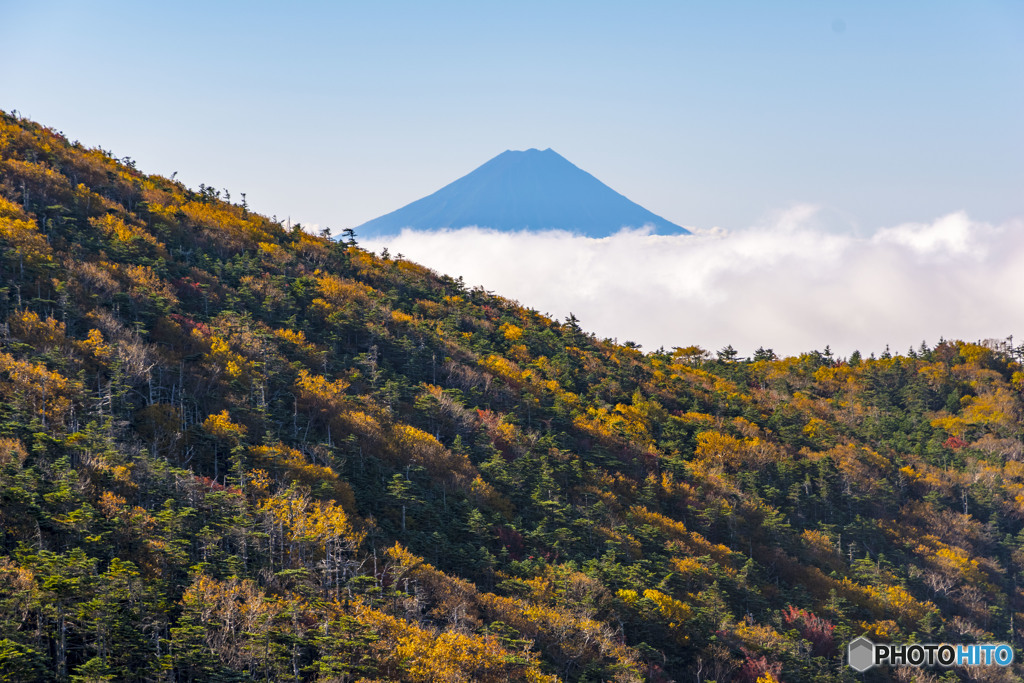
234	450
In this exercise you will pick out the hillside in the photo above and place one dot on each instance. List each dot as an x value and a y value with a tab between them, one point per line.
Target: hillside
523	190
231	451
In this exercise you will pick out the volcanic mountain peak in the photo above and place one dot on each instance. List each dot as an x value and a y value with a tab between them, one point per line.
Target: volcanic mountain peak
523	190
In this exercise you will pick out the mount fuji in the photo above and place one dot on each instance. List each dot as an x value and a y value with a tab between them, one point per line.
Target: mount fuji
523	190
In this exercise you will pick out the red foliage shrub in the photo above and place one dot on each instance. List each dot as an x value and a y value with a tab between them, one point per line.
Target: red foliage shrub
812	628
954	443
756	666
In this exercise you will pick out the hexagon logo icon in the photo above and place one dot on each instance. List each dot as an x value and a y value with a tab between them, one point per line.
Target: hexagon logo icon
861	654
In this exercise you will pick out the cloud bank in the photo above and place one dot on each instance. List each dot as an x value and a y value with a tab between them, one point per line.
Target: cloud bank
786	285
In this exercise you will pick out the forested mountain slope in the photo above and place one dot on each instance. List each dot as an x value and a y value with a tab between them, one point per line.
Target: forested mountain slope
231	451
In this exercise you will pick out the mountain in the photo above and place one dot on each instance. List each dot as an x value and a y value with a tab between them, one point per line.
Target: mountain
235	452
523	190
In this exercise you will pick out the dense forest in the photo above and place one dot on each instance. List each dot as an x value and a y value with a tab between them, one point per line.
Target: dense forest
231	450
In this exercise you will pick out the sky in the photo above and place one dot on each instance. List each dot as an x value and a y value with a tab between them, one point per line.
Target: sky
740	120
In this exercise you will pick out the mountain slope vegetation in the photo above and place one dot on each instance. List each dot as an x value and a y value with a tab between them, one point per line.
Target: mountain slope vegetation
234	451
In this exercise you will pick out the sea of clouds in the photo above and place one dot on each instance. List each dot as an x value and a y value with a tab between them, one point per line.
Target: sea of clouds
788	284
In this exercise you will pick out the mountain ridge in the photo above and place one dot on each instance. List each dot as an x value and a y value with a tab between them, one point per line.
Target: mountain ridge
529	189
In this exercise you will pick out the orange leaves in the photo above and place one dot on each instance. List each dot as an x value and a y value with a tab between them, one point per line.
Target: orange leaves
952	424
295	468
566	633
110	504
37	331
224	225
37	179
429	309
689	568
958	562
23	244
975	354
416	446
233	613
144	284
338	291
314	532
313	353
626	425
259	480
880	597
313	250
690	355
405	559
321	393
673	611
816	428
692	418
861	466
1017	380
449	599
275	254
316	522
719	448
832	379
94	346
364	425
16	581
502	367
402	318
508	438
884	631
426	655
48	393
239	620
995	410
928	477
697	544
949	560
888	599
936	373
220	426
221	356
512	333
9	210
118	230
703	382
764	638
161	196
821	549
417	442
12	450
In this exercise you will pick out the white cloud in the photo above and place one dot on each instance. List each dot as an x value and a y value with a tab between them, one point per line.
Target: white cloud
951	236
786	285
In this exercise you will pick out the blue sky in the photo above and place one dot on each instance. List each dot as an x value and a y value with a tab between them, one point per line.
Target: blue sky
852	170
707	113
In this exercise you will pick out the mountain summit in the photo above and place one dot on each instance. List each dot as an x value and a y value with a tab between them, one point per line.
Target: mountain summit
523	190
